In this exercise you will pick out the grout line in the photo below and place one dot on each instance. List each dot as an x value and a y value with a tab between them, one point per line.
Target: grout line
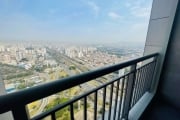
160	18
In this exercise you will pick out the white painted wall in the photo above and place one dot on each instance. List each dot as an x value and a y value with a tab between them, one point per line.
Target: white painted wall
160	25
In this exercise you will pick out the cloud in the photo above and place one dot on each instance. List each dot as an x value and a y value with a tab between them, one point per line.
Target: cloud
141	11
94	7
114	15
139	8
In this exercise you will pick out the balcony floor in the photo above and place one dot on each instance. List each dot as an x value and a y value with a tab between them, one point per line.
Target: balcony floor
161	110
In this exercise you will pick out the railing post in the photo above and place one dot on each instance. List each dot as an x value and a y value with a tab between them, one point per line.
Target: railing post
151	88
129	92
19	113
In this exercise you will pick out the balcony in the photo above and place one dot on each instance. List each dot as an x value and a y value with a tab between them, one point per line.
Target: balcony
137	94
125	92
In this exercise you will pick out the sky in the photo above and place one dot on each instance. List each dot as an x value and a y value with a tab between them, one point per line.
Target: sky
84	21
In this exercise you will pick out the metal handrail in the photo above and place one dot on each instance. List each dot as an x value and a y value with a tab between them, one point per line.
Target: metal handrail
23	97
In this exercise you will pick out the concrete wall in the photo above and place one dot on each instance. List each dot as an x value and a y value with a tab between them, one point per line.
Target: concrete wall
160	25
170	79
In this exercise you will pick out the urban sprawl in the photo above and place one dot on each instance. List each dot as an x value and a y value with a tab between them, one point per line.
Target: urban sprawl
23	66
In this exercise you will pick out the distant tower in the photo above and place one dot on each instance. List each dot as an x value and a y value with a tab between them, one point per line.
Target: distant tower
19	55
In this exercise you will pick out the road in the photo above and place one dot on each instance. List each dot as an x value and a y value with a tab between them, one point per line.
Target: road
65	62
63	59
44	102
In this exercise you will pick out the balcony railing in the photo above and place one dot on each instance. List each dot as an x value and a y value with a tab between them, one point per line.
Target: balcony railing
125	91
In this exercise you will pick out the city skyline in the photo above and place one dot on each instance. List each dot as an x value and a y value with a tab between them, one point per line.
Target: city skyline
26	66
81	21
